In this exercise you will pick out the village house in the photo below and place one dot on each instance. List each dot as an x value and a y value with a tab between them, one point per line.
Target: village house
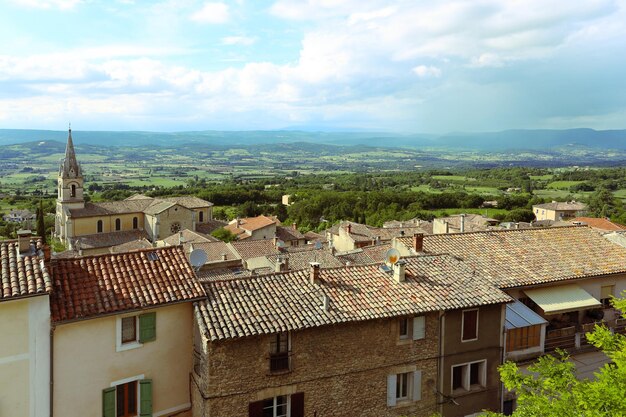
94	227
122	334
462	223
349	341
600	224
19	216
25	286
347	235
562	279
557	210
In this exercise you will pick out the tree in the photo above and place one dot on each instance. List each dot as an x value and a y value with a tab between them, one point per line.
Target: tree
551	388
224	235
603	203
41	224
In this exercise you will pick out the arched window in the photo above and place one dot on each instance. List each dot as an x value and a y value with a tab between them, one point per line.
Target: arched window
201	216
118	224
135	223
99	226
73	190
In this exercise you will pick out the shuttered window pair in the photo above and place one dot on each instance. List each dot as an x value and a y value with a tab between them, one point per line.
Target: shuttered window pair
123	400
412	328
406	386
281	406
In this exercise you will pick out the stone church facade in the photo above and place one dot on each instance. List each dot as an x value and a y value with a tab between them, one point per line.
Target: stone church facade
93	228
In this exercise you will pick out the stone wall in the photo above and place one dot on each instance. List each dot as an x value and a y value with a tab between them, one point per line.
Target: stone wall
342	371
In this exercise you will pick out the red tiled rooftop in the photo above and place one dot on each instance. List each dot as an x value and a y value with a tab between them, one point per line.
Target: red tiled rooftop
22	276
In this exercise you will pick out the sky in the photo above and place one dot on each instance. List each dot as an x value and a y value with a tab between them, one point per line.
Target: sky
403	66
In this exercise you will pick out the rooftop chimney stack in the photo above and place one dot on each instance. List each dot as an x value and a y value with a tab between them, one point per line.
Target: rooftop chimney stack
224	257
23	240
325	302
399	271
418	242
294	226
349	228
462	223
46	253
315	273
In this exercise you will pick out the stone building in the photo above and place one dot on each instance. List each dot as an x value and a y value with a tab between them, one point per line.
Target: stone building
95	227
348	341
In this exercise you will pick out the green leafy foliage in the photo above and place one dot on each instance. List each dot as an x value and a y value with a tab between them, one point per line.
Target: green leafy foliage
224	235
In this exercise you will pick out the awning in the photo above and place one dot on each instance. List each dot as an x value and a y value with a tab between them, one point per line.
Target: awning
518	315
561	299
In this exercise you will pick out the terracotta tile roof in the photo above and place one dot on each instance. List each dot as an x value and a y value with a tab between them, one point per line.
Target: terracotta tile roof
188	236
215	250
249	224
247	249
563	206
514	258
130	246
312	237
598	223
210	226
158	206
303	259
92	286
354	257
22	276
364	233
287	234
111	207
221	274
289	301
103	240
189	202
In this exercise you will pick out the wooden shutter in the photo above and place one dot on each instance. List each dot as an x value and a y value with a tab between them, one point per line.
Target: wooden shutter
108	402
391	390
255	409
147	327
419	327
145	398
470	325
417	386
297	404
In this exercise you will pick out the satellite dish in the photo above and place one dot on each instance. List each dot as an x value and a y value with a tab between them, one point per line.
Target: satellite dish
280	244
392	256
318	245
198	257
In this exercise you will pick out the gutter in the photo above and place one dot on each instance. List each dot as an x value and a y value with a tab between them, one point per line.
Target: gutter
52	327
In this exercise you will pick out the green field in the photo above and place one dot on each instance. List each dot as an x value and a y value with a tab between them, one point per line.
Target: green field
563	185
453	178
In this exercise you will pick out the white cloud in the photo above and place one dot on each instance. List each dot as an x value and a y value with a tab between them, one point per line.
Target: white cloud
48	4
239	40
214	13
424	71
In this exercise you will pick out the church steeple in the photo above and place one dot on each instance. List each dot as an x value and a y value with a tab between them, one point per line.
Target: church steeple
69	166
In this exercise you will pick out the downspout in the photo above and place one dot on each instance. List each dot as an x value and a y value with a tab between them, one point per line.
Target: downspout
440	368
51	370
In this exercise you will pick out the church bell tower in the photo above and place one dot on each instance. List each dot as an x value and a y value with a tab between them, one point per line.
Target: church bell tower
69	191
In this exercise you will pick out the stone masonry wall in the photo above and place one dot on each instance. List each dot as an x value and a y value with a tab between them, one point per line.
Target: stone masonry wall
341	369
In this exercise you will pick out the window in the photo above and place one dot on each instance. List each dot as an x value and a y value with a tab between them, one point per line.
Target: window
118	224
135	223
404	387
412	328
523	338
129	397
606	294
73	190
469	325
279	352
469	376
133	331
175	227
201	216
279	406
99	226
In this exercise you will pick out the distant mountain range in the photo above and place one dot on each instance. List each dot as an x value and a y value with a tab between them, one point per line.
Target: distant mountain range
508	140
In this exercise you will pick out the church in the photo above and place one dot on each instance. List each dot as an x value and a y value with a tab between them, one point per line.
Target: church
94	228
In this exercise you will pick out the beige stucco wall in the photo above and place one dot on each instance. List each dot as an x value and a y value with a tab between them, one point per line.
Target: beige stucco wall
175	213
89	225
267	232
86	362
208	214
24	357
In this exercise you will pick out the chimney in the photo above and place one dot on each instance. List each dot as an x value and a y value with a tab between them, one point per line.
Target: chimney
517	225
46	253
224	257
275	241
314	277
294	226
349	228
285	265
418	242
23	240
180	238
399	274
462	223
238	222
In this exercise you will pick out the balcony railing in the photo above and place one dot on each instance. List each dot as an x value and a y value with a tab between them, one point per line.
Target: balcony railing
574	338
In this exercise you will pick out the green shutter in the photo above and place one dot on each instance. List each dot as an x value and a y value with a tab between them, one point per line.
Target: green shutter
108	402
147	327
145	398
